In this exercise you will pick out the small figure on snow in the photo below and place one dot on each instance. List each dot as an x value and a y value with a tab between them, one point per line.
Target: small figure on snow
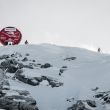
99	50
26	42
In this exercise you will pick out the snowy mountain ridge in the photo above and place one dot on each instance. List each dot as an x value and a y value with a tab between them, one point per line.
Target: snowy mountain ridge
54	78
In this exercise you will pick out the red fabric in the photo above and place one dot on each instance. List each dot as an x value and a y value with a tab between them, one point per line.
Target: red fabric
10	34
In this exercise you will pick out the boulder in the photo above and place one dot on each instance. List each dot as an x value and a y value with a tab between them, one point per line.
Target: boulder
46	65
91	103
17	103
52	82
25	59
79	105
27	80
4	57
10	65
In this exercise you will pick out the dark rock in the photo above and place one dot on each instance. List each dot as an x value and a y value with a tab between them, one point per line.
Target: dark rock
30	81
12	69
95	89
104	96
52	82
4	57
16	54
70	58
24	92
27	54
5	85
62	70
70	100
64	66
55	84
105	99
17	103
91	103
33	82
36	80
79	105
39	79
13	55
10	65
39	64
99	95
33	60
20	65
46	65
108	100
25	59
5	64
2	94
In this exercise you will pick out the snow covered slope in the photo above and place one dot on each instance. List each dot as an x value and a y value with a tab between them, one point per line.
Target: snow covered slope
73	74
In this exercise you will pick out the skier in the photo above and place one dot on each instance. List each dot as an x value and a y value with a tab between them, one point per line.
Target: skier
26	42
99	50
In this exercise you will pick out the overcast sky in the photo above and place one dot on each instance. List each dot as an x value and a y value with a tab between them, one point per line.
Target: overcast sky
63	22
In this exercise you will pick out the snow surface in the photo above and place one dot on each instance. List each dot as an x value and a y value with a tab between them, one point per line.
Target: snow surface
87	71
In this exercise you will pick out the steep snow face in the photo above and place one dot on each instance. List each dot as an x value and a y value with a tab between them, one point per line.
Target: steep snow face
78	69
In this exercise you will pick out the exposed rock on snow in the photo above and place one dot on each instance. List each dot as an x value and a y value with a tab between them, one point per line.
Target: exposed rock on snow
102	103
52	81
79	105
17	103
10	65
70	58
91	103
4	57
36	80
62	70
15	99
46	65
27	80
83	105
25	59
104	96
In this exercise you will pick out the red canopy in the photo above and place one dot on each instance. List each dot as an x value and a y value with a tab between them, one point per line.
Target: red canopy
10	34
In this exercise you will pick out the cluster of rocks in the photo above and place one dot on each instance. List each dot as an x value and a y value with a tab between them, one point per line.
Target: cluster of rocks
17	102
11	65
46	65
81	105
63	68
34	81
103	96
14	99
21	100
104	99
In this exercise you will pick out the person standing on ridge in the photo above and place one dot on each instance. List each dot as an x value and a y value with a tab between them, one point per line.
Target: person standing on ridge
26	42
99	50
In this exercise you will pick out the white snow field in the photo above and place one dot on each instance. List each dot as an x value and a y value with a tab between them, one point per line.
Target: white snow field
88	71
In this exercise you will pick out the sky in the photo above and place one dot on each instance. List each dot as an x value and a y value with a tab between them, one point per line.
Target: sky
79	23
